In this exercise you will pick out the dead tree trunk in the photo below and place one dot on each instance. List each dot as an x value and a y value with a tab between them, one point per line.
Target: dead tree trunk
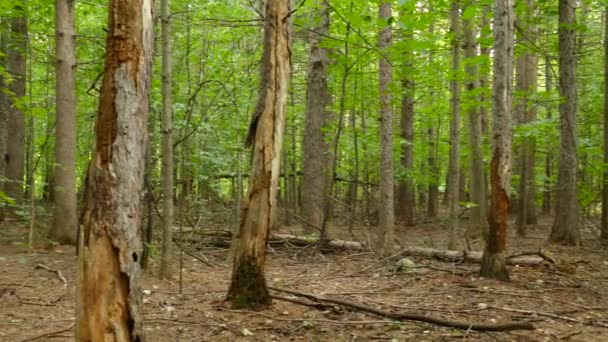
494	263
248	285
108	298
565	227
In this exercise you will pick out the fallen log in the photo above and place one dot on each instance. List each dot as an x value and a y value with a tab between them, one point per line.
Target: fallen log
523	259
410	316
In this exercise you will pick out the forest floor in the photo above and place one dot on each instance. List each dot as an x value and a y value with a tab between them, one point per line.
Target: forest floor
567	301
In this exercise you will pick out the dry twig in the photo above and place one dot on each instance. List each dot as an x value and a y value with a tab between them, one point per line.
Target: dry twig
58	272
410	316
49	334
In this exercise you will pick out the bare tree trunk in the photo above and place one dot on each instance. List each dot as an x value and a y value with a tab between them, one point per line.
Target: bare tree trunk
317	155
109	304
386	210
453	180
4	108
478	225
526	85
65	223
604	236
406	194
248	285
493	263
433	188
166	270
549	157
16	67
565	227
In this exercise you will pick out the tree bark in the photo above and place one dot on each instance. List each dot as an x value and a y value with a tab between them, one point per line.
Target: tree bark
604	235
167	144
4	108
493	264
565	227
317	154
16	67
65	224
549	157
406	199
386	211
248	285
478	225
526	109
109	306
453	180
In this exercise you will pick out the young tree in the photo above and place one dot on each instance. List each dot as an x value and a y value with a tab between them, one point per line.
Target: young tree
494	260
526	112
478	187
317	155
108	297
454	167
16	65
248	285
167	145
565	227
65	222
4	106
386	210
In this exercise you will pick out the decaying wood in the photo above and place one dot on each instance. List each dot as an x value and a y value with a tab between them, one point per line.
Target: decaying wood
412	316
109	302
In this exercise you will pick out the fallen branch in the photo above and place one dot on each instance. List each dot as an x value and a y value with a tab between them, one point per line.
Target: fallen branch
57	272
49	334
550	315
410	316
199	258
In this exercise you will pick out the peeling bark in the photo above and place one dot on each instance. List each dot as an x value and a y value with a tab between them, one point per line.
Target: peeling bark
109	300
493	264
248	285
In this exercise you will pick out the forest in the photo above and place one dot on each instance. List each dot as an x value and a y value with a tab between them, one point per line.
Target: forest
303	170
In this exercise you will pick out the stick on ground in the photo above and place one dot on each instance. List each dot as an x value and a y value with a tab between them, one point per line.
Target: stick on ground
410	316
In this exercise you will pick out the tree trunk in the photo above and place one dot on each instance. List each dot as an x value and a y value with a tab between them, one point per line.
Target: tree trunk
549	157
248	285
565	227
605	173
4	108
433	188
16	66
65	223
406	199
493	264
526	85
386	211
453	180
317	155
167	144
109	304
478	225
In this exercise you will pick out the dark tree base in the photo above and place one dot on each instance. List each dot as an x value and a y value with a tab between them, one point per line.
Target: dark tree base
494	265
248	287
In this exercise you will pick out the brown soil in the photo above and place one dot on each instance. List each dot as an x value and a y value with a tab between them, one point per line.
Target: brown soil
567	301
